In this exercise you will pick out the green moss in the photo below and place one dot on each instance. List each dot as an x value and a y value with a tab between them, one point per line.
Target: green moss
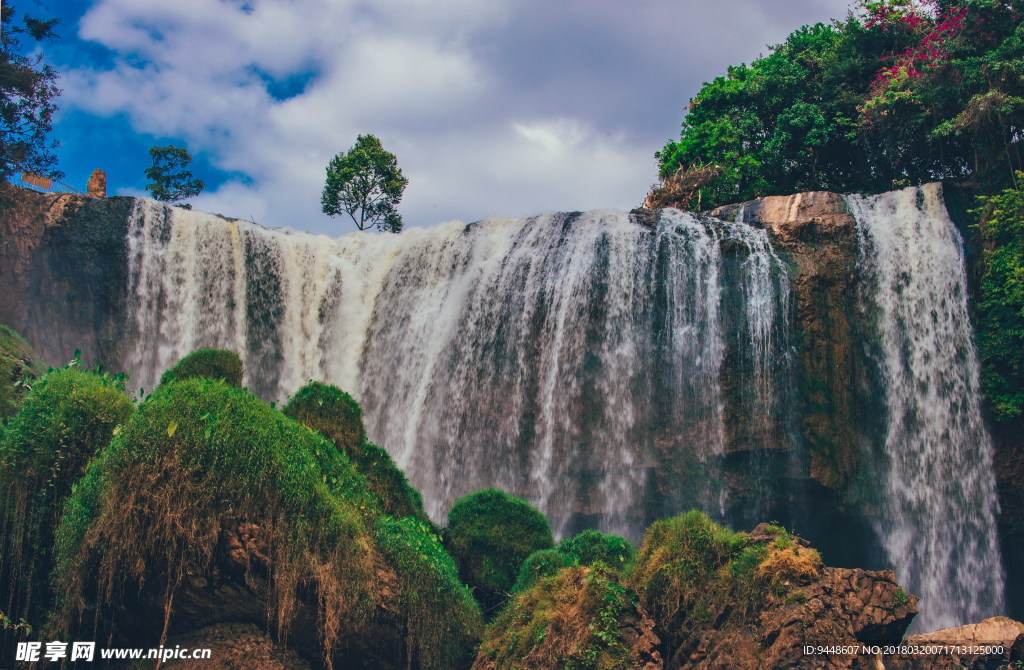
490	534
571	620
689	569
336	415
592	546
588	548
443	620
541	563
66	418
198	453
18	364
207	364
330	411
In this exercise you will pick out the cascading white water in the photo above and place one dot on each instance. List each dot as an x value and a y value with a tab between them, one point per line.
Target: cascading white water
563	358
937	516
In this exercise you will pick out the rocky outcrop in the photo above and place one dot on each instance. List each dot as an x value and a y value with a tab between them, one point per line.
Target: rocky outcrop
763	599
63	270
818	236
97	186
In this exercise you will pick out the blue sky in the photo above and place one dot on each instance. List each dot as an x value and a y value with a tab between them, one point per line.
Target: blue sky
493	107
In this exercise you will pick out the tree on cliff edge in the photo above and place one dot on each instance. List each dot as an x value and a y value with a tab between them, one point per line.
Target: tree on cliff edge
365	183
27	91
171	181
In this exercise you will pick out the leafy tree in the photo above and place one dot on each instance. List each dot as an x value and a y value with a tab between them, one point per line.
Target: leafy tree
900	92
171	181
27	92
365	183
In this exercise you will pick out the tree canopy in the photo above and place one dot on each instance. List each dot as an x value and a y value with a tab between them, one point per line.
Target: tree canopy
367	184
171	182
27	91
900	92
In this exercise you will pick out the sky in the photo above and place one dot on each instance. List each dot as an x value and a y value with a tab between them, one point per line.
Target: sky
501	108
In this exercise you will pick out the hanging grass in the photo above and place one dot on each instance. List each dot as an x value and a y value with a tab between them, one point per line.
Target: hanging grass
67	417
198	453
208	364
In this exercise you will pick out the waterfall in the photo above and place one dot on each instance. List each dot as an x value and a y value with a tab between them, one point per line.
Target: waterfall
937	500
576	360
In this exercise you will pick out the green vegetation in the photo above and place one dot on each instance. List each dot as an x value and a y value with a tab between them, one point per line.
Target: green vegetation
690	572
18	366
900	92
207	364
27	92
592	546
337	416
1002	303
588	548
572	620
366	182
171	182
198	454
68	416
443	620
490	534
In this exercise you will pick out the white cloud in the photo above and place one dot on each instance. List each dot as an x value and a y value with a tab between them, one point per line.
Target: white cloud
493	108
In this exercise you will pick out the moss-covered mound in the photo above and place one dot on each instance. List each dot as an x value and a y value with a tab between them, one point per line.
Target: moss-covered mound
582	617
336	415
207	364
18	363
691	568
490	534
330	411
441	617
198	456
68	416
588	548
693	575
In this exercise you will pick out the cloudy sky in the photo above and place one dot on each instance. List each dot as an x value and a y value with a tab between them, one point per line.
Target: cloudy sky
493	107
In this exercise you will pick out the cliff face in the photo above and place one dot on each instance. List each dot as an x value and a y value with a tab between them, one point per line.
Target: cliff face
816	234
63	273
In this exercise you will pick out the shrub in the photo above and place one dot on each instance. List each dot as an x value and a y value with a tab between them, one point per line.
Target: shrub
541	563
588	548
443	621
592	546
208	364
490	534
199	452
1001	308
67	417
336	415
